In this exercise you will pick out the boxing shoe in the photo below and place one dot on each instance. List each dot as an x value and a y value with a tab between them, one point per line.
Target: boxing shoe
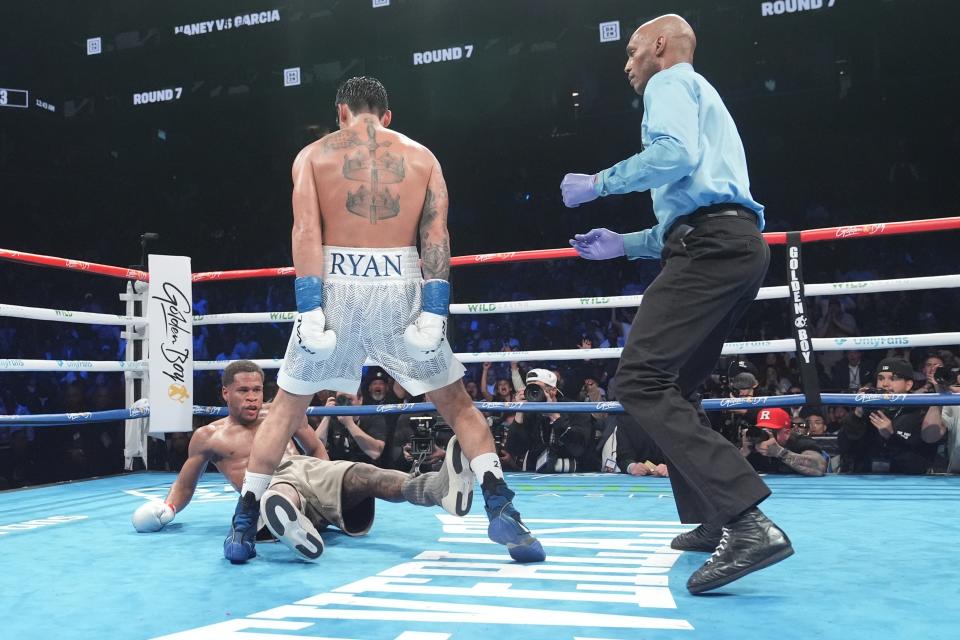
290	526
239	544
703	538
749	543
456	481
505	526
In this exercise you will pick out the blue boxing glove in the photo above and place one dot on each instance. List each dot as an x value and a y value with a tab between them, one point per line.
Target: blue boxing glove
598	244
311	335
424	337
578	188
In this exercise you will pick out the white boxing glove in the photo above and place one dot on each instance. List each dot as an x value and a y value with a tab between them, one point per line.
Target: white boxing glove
424	337
153	516
310	332
312	338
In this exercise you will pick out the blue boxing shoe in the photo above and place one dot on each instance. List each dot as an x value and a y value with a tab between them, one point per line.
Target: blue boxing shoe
505	526
239	547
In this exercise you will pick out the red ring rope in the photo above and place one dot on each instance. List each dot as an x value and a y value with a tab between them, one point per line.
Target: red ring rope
774	238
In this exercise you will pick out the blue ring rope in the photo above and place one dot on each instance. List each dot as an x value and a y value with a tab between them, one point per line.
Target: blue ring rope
712	404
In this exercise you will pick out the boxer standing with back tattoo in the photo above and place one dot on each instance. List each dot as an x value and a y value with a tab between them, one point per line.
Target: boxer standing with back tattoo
361	195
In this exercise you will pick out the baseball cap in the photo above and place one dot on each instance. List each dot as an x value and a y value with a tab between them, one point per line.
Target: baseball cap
542	375
897	366
374	373
743	380
773	419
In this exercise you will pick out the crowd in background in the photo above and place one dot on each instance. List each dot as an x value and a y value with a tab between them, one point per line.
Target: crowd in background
838	132
43	454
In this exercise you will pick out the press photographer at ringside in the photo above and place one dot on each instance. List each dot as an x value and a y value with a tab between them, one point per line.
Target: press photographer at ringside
770	446
940	422
421	442
886	439
739	382
549	442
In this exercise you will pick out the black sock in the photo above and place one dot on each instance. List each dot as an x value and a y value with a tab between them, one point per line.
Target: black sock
491	483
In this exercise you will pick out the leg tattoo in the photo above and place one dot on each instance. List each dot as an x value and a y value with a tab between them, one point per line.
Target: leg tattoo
364	481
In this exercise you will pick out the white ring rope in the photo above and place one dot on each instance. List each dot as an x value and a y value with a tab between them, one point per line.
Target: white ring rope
614	302
730	348
59	315
510	306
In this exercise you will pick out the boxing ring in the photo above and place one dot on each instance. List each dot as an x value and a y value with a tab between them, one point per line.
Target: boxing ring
873	555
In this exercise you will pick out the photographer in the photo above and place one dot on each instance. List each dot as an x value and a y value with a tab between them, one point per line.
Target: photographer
421	437
548	442
771	447
346	438
945	421
742	384
886	439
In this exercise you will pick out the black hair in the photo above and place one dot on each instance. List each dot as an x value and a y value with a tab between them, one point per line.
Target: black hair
240	366
363	94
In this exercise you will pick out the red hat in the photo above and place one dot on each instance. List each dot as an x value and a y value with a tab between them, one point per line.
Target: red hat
773	419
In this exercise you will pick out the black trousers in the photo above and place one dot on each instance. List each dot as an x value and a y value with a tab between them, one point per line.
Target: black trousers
710	275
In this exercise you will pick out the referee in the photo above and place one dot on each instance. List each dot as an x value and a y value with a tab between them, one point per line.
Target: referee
714	259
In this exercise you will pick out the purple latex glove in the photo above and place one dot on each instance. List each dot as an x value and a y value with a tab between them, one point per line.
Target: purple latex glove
577	188
598	244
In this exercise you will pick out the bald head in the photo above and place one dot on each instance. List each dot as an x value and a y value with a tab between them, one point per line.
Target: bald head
657	45
679	40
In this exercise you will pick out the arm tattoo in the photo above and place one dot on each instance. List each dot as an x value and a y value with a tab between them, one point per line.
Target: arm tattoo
806	465
434	239
364	481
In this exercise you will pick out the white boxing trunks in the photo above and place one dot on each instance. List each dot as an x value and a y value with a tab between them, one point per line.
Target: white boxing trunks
370	297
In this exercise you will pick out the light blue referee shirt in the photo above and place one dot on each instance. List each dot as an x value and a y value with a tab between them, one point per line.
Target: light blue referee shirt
692	157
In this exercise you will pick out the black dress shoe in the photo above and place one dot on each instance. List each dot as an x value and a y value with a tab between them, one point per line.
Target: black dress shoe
703	538
749	543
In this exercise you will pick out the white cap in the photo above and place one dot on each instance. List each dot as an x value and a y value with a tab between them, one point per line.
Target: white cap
542	375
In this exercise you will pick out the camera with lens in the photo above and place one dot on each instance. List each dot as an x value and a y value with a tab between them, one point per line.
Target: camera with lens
423	435
343	401
499	431
946	376
534	393
756	434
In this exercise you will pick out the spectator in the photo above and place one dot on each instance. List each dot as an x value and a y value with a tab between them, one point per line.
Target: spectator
835	417
376	388
925	382
836	323
816	425
503	390
851	373
731	421
945	421
473	390
637	454
771	447
888	439
549	442
349	437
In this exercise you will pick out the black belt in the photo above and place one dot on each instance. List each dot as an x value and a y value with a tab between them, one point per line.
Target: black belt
713	212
